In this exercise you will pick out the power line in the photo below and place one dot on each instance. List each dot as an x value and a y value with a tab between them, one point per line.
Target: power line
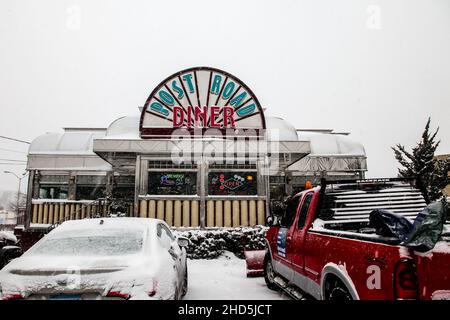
13	160
15	151
13	139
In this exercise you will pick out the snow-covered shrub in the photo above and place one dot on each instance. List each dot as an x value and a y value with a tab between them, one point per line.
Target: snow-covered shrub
210	244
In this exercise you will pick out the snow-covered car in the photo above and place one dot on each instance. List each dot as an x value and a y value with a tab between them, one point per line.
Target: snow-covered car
109	258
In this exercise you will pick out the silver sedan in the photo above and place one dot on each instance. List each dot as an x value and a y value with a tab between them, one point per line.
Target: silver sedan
110	258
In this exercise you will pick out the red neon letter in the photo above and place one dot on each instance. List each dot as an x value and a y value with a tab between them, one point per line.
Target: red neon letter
178	111
228	114
201	113
214	115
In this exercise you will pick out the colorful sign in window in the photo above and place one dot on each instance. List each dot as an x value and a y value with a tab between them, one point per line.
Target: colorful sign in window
172	183
232	183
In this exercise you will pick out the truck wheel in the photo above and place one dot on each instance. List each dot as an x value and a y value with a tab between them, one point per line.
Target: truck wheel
269	273
337	291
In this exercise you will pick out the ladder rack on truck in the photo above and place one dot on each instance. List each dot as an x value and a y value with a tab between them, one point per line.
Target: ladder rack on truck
351	201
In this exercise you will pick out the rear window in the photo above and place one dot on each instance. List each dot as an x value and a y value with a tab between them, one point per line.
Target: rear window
109	243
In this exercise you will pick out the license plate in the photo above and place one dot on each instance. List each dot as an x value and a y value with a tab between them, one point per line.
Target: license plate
66	297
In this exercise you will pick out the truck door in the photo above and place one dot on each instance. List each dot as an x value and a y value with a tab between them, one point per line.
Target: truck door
298	236
282	263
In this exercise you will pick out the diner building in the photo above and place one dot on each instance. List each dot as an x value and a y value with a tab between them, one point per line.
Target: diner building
200	153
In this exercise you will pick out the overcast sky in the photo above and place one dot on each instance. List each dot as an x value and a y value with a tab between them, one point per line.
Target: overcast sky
376	69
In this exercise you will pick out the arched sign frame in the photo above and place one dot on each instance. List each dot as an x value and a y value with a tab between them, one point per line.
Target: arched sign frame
166	131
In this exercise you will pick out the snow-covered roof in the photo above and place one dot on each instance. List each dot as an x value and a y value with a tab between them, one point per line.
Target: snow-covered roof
73	148
71	141
329	144
68	150
124	128
331	153
280	130
127	128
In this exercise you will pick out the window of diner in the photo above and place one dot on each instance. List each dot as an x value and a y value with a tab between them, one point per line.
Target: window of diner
90	187
90	192
53	191
123	192
123	187
242	183
53	187
172	183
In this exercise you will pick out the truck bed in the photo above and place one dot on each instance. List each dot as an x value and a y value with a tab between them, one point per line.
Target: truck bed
345	208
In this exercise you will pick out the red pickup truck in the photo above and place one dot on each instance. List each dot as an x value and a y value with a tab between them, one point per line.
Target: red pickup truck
323	246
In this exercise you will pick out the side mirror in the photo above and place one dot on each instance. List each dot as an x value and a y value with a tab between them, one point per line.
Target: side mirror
183	242
272	221
8	253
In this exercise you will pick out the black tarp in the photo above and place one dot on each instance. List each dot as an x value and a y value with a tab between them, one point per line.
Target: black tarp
427	227
389	224
422	235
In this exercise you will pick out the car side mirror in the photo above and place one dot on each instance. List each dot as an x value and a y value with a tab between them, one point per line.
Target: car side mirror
272	221
183	242
8	253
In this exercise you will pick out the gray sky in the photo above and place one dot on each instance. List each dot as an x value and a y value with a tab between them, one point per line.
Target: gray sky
375	68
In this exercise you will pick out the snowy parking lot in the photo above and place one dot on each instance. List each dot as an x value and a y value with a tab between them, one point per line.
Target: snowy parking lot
225	278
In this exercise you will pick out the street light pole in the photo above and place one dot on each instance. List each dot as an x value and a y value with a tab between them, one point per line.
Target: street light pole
18	190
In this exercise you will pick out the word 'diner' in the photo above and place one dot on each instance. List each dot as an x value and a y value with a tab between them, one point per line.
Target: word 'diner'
200	116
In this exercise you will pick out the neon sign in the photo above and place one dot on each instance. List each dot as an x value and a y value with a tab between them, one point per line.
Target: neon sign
202	98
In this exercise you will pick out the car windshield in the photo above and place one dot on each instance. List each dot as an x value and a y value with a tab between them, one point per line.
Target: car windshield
108	243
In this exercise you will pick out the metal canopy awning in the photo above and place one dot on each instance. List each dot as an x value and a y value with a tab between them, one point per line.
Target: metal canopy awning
52	162
122	152
70	150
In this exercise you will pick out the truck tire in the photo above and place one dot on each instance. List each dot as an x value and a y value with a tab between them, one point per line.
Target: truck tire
269	273
337	291
184	289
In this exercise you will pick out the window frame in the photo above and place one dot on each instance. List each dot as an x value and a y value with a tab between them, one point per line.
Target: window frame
302	216
159	229
294	198
53	185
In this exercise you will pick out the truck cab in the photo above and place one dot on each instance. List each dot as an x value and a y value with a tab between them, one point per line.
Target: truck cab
286	239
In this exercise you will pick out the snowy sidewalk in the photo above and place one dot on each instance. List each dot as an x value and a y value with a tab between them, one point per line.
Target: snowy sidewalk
225	278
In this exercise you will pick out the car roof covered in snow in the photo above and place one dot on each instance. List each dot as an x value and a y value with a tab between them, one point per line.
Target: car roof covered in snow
106	223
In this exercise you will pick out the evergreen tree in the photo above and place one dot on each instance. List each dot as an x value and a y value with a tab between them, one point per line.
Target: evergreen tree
421	163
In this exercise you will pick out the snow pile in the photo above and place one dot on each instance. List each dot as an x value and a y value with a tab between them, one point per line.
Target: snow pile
210	244
441	295
8	236
225	278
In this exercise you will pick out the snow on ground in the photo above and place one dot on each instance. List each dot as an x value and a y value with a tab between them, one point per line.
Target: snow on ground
225	278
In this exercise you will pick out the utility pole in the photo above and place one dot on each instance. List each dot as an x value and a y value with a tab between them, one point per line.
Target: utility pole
18	190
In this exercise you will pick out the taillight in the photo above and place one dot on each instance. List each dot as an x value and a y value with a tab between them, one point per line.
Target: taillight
118	294
14	296
152	292
405	280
